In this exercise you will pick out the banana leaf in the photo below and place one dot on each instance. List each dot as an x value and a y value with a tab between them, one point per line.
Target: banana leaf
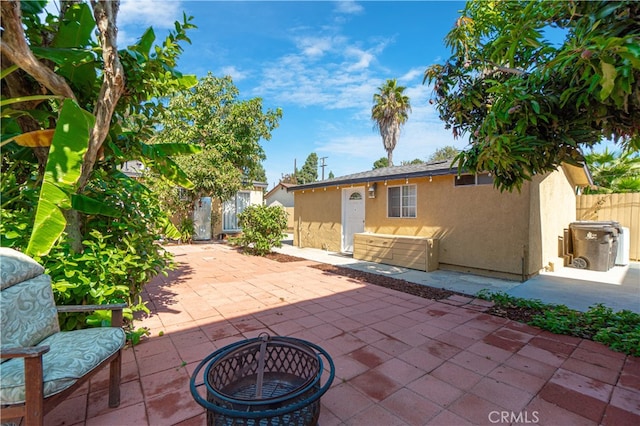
68	146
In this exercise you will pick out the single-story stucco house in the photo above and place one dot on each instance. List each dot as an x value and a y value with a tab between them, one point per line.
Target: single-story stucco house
280	196
214	218
427	217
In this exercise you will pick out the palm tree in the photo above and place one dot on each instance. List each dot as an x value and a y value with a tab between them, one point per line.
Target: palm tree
389	112
614	171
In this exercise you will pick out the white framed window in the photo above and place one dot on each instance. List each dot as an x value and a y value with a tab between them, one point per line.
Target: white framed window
232	208
477	179
402	201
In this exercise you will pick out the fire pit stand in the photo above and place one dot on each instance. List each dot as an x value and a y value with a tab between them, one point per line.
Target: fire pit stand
267	380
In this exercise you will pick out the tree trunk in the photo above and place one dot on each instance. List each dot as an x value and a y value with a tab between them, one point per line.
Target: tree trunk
390	157
74	229
105	13
14	46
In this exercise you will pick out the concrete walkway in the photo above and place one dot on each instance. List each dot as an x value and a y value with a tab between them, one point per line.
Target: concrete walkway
619	288
400	359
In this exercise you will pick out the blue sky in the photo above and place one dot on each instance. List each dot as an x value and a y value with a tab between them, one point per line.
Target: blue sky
321	62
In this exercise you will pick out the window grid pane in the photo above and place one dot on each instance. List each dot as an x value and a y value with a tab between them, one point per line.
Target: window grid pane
464	180
409	201
394	202
485	179
402	201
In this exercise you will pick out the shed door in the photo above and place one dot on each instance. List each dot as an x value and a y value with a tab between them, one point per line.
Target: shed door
231	209
352	216
202	219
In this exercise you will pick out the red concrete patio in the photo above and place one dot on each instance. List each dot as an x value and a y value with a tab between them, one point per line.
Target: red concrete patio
400	359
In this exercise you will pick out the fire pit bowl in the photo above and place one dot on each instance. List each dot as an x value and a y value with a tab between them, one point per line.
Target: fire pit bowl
267	380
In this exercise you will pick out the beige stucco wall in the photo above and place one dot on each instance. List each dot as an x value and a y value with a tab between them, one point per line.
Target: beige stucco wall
216	217
480	229
556	209
317	219
281	195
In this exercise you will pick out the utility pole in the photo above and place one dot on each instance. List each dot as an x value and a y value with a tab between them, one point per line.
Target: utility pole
323	165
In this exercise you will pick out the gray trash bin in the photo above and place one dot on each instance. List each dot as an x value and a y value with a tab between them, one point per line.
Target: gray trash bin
595	244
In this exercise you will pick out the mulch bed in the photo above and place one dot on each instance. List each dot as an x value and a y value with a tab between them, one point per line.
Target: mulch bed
388	282
514	313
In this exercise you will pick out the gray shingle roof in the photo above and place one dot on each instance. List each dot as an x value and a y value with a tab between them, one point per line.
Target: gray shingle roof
435	168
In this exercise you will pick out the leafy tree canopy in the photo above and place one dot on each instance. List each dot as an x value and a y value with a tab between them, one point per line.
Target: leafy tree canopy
309	171
74	104
445	153
259	174
228	129
288	178
380	163
74	108
414	161
528	104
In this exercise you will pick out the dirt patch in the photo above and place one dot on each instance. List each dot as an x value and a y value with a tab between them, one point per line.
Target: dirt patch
388	282
283	258
520	314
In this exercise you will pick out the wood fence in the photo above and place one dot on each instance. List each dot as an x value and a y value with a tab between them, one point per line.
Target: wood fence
623	208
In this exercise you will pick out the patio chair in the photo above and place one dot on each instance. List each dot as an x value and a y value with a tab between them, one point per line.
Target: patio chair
42	365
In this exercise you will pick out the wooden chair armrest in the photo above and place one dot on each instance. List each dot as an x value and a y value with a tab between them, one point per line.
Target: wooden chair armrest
88	308
24	352
33	409
116	316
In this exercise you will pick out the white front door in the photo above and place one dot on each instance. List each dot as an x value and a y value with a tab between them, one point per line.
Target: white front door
352	216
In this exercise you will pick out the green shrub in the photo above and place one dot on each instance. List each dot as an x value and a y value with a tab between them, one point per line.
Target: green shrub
186	228
121	254
618	330
262	228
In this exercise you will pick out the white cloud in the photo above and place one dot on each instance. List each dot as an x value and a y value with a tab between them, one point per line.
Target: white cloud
344	78
159	14
363	58
412	75
348	7
235	73
314	46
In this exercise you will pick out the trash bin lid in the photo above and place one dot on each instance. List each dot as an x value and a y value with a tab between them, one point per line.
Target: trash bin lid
609	227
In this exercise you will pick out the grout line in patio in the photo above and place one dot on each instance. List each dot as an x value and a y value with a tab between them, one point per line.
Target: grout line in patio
399	359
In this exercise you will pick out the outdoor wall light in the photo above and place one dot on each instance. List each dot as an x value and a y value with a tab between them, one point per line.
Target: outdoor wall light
372	191
430	178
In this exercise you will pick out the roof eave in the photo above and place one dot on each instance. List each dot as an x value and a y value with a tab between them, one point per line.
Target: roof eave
371	179
580	176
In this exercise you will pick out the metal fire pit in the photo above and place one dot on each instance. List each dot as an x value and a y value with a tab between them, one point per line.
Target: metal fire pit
267	380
